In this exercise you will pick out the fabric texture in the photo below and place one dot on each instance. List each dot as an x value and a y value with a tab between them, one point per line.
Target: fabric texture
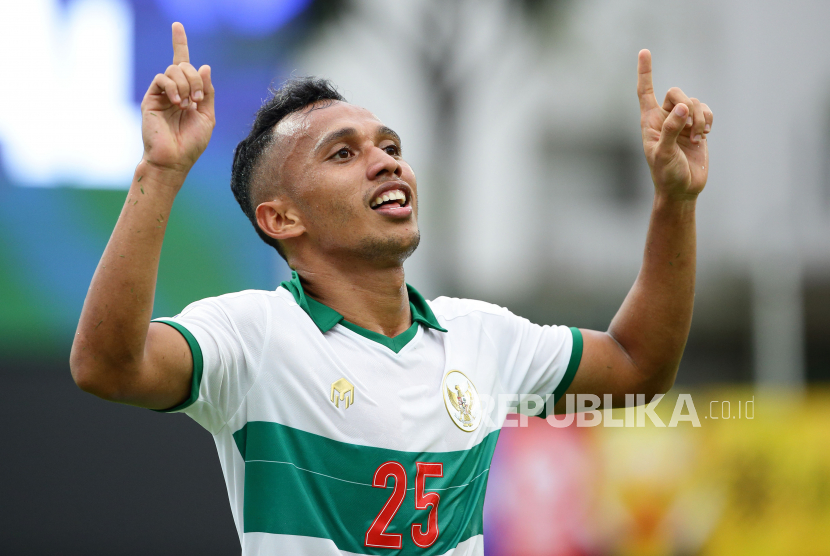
308	418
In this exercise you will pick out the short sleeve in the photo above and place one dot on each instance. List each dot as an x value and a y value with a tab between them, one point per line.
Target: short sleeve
530	359
225	336
540	360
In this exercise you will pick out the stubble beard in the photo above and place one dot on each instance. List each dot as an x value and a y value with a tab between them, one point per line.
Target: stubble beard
385	251
393	250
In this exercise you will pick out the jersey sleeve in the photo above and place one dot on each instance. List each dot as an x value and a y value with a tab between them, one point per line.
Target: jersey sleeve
225	343
530	359
535	359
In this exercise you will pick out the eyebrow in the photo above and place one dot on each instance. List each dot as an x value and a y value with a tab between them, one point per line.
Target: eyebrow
345	132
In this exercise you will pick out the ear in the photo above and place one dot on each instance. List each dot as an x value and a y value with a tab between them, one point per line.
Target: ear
279	219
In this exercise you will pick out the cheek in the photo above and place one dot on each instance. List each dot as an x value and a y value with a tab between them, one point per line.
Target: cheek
332	205
408	175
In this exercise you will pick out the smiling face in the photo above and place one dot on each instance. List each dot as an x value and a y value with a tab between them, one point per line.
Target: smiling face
345	190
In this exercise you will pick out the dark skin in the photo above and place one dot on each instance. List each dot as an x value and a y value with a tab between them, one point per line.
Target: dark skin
332	164
349	256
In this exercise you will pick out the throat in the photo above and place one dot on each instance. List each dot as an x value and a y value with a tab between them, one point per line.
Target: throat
371	298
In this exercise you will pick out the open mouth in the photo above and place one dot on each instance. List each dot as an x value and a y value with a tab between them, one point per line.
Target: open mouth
394	198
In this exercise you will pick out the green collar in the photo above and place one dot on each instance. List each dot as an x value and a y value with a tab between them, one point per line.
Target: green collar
325	317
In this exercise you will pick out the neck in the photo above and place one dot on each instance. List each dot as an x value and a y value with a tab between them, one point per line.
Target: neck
370	297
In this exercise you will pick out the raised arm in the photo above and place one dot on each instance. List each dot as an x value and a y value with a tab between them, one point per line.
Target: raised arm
640	353
117	353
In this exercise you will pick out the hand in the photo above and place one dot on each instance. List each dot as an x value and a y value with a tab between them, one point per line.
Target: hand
674	136
177	115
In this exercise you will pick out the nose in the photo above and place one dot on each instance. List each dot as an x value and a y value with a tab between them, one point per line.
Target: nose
381	164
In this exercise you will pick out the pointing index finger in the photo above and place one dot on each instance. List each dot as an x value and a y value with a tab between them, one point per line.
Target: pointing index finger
180	53
645	88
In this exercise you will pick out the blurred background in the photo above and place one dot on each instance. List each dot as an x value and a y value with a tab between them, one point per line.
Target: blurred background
521	121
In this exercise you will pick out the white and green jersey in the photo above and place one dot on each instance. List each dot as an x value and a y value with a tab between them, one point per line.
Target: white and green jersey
337	440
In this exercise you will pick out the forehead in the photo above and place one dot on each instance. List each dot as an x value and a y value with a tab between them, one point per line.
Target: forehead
315	122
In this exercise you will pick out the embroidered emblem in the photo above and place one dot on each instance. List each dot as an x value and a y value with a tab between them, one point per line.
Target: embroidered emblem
462	401
344	387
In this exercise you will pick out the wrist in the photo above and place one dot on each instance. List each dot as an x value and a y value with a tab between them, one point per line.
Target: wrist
674	208
675	201
162	177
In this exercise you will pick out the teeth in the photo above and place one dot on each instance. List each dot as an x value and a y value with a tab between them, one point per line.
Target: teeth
395	194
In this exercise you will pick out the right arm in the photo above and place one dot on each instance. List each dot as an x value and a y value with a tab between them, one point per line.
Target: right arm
117	354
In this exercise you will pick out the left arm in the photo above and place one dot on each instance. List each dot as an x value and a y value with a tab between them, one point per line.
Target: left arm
641	351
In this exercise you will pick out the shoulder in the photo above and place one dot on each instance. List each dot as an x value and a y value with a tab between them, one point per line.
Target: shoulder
243	303
472	314
452	308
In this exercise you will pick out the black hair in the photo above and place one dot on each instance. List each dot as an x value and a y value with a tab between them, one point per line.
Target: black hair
294	95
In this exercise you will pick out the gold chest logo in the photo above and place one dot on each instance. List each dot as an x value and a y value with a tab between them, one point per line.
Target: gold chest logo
346	391
462	401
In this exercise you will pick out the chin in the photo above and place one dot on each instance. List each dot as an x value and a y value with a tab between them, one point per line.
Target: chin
395	249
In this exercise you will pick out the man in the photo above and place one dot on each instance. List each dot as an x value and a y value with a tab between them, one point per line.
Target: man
350	414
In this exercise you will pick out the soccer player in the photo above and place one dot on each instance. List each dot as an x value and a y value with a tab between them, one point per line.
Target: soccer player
351	415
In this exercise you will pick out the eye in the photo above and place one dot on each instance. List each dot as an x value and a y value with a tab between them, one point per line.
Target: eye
392	150
342	154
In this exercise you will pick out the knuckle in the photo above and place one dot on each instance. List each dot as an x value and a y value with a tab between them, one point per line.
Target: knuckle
675	122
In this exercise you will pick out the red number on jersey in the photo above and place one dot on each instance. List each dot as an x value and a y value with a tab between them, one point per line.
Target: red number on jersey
426	500
376	535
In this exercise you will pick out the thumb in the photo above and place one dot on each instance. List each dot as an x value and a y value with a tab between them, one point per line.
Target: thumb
207	103
672	126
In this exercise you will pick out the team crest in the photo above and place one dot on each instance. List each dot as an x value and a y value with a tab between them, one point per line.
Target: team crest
462	401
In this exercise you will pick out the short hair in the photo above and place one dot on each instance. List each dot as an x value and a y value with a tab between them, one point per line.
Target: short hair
294	95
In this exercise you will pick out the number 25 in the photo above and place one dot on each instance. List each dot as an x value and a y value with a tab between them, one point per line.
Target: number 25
376	535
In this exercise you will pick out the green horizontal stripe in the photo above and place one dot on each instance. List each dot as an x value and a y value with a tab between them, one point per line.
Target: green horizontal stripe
298	483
